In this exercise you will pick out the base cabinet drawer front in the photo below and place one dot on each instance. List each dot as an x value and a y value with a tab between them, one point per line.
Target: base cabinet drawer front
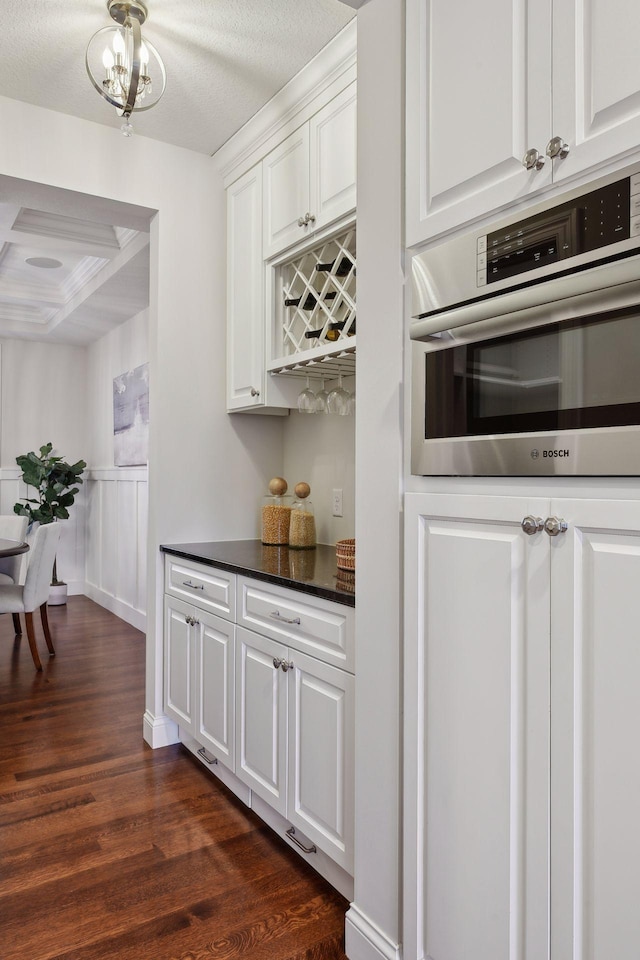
261	717
215	674
179	663
312	625
207	587
321	755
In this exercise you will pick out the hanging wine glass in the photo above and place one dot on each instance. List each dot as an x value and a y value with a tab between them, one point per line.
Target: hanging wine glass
321	400
307	400
338	400
351	404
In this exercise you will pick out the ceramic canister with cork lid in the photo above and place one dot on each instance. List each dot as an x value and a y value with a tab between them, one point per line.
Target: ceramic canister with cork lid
276	513
302	527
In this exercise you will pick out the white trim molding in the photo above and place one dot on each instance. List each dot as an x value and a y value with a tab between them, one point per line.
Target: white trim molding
137	618
159	731
318	82
365	941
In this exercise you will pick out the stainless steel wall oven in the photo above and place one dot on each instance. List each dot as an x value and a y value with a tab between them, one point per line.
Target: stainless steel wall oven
526	341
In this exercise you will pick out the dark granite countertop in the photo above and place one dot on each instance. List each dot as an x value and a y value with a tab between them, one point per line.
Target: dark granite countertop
310	571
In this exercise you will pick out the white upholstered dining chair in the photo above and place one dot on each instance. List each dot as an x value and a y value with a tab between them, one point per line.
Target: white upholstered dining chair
13	527
18	598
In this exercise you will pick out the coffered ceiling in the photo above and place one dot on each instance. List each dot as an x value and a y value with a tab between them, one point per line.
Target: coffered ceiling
72	278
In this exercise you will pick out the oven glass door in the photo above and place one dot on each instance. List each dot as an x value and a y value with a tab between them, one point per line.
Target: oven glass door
570	375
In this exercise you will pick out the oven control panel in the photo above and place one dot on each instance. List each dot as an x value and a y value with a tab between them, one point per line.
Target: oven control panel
584	224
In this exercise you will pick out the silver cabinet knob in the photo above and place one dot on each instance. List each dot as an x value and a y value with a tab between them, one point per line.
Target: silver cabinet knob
277	662
307	219
532	525
533	158
555	525
254	392
557	147
287	665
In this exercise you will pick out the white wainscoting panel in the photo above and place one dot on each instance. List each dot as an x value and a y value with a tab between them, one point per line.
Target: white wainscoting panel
116	536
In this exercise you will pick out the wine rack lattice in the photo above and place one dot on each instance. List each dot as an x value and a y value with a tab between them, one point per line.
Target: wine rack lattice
318	297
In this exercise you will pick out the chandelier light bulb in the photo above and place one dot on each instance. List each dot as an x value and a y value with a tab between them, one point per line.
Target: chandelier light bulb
118	45
131	68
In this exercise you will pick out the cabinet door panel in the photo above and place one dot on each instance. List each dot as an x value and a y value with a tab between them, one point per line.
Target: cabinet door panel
179	664
286	192
321	756
245	292
261	717
595	776
478	97
332	139
216	677
477	728
596	88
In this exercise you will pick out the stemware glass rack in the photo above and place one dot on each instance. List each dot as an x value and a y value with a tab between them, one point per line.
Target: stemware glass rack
315	310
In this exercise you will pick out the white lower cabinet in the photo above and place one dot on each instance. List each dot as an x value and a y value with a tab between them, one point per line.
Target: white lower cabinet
276	707
522	779
294	725
200	676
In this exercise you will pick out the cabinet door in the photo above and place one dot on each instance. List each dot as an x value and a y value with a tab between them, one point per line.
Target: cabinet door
321	756
476	729
245	293
596	83
478	98
286	192
179	663
215	675
261	717
595	779
332	150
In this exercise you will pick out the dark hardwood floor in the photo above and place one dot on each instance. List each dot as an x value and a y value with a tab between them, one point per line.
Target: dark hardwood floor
109	849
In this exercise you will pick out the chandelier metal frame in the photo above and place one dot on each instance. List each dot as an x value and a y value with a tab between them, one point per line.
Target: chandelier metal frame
130	15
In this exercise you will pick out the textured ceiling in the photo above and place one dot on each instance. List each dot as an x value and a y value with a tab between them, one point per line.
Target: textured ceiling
224	59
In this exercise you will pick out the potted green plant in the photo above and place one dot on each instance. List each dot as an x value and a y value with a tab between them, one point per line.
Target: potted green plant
55	483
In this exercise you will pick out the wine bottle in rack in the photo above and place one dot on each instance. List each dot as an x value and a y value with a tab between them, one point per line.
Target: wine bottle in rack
342	269
310	300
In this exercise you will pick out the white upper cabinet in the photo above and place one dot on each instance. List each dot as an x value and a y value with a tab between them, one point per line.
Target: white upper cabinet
596	81
309	180
494	87
286	192
478	98
245	292
332	157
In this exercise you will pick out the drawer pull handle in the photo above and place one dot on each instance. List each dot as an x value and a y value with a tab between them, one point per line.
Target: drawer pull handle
205	756
291	833
194	586
276	615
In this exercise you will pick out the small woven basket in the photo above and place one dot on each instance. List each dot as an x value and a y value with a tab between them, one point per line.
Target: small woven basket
346	554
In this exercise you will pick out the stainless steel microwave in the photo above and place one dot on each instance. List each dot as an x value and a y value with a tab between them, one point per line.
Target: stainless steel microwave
526	341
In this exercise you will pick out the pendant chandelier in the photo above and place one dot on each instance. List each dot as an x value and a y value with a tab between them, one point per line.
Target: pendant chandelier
127	71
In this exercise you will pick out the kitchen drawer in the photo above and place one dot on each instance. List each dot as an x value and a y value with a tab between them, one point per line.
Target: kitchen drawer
310	624
207	587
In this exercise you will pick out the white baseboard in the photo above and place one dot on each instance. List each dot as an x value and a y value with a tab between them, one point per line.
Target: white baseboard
365	941
136	618
159	731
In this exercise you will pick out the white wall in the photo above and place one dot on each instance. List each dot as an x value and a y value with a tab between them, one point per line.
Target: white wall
204	466
116	497
124	348
320	449
373	922
43	399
